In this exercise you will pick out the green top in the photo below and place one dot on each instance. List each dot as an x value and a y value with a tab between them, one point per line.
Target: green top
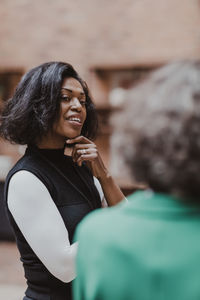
146	249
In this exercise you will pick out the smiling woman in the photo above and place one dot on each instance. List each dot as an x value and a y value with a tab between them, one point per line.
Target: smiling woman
72	114
73	107
52	187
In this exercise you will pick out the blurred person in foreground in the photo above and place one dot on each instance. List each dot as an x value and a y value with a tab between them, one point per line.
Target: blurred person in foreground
150	247
52	187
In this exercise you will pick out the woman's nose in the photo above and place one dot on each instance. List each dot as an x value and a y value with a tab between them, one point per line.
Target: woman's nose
75	104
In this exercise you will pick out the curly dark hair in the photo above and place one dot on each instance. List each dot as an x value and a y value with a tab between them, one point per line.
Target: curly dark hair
159	130
35	105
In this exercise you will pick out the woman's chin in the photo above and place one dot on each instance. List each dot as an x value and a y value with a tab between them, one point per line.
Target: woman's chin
73	135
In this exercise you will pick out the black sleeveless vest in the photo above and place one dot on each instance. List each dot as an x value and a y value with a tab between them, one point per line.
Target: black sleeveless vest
72	203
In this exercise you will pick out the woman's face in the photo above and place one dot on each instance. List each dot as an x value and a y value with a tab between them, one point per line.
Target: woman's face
72	110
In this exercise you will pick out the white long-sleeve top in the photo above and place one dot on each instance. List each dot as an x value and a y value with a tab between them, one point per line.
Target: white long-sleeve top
39	220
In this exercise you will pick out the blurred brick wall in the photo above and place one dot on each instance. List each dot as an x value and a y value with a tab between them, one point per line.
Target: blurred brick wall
90	33
95	32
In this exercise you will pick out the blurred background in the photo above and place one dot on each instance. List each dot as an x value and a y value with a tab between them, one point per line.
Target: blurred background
113	45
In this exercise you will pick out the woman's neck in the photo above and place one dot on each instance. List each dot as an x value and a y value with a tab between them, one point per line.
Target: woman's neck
49	143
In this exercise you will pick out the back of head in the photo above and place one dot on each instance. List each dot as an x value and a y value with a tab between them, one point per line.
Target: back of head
159	130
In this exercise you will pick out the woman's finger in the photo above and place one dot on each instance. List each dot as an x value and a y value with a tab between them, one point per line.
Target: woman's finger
79	147
84	153
86	157
79	140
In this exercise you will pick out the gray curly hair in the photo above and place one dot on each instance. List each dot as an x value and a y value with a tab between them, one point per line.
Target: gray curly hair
159	130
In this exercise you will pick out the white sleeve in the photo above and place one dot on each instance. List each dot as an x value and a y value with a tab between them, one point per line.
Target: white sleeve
101	194
40	222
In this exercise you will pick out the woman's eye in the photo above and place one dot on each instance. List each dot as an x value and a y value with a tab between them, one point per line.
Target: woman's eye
65	98
83	102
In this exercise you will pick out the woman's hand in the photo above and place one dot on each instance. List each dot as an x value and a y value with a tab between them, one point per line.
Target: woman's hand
86	150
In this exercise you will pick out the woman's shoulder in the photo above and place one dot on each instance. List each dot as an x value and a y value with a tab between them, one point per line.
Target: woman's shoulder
24	163
26	168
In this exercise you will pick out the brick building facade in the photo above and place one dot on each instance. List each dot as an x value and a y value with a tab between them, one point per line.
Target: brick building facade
107	41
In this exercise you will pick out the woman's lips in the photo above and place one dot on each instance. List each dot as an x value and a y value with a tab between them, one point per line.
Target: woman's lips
75	121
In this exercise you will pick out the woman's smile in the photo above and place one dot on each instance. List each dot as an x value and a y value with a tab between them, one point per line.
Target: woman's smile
72	109
75	120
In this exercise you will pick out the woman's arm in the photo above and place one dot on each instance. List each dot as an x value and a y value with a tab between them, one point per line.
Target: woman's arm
111	190
100	191
86	150
41	224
